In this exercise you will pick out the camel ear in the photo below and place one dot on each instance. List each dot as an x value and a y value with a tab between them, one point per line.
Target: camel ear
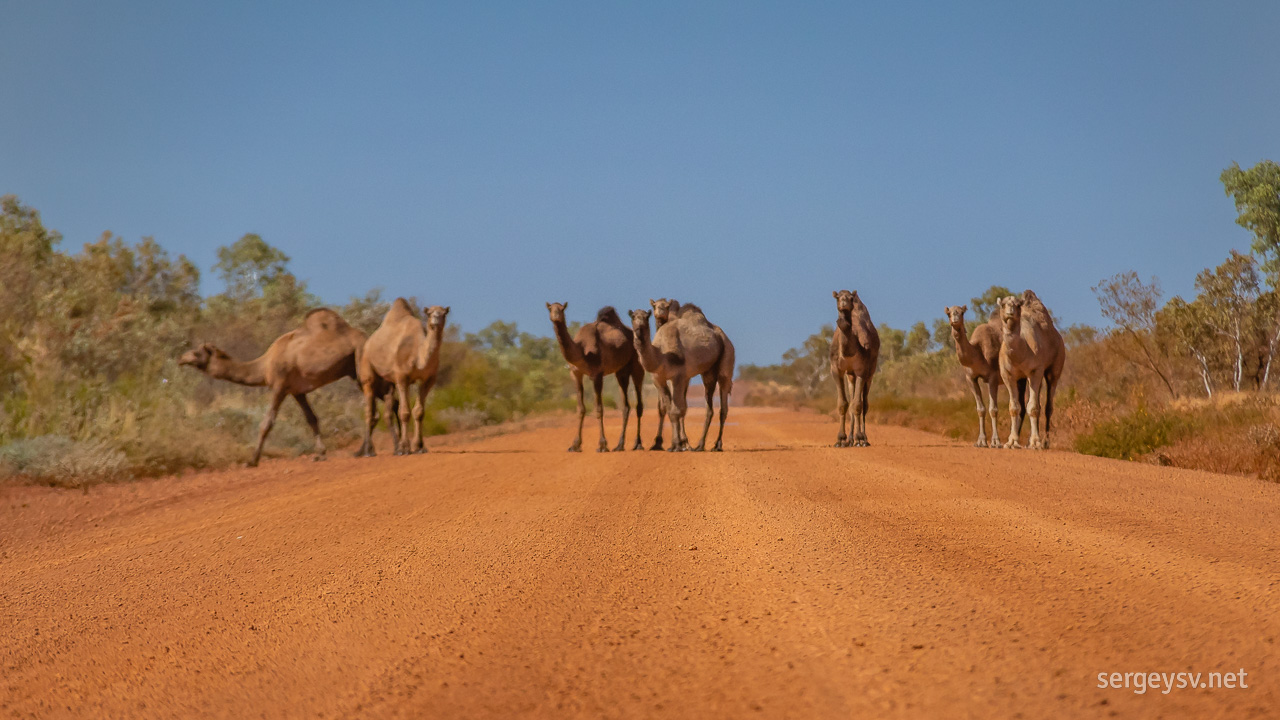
446	309
835	294
964	308
565	304
548	306
652	303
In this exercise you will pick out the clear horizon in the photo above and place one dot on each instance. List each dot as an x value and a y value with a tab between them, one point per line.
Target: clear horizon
746	157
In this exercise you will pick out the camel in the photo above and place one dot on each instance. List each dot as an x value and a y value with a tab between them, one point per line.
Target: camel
664	310
323	350
600	348
686	345
979	355
403	350
855	349
1031	350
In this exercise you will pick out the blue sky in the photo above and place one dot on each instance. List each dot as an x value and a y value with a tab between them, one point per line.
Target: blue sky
750	157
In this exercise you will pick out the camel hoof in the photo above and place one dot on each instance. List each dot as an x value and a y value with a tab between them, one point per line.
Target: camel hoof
251	463
638	446
574	448
619	448
981	443
700	448
656	446
602	449
717	448
319	458
421	451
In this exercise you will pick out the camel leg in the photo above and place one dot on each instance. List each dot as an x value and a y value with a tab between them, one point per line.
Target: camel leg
664	405
277	397
1022	403
1050	387
419	413
582	411
597	383
402	397
860	388
679	405
370	419
709	388
842	405
1015	411
393	417
982	412
1033	408
624	381
993	398
637	379
724	414
313	422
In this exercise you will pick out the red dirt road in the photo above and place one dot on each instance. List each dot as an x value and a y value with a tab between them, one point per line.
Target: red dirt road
503	577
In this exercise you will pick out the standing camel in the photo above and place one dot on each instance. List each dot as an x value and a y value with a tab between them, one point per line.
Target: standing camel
664	310
403	350
855	349
979	355
1031	350
600	348
323	350
686	345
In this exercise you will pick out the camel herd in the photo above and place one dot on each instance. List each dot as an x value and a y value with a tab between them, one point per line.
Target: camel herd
1018	347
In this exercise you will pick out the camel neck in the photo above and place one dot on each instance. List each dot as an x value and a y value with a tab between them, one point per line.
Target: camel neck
241	373
431	348
572	353
964	349
648	354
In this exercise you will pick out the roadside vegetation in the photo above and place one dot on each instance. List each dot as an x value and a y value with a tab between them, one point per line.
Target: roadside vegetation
90	390
1182	382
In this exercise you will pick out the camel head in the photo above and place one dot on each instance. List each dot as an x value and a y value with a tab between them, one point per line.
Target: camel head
663	309
1010	312
200	357
640	320
435	316
955	315
557	311
845	300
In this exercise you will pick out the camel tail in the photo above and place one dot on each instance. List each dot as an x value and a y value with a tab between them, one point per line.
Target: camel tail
727	361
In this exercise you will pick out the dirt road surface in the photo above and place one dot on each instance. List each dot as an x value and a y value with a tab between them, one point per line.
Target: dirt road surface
502	577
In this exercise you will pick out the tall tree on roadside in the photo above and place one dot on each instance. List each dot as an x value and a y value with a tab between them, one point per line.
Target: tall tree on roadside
1230	294
1256	192
1188	324
1132	306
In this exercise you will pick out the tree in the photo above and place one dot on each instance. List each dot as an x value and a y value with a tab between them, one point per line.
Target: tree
1131	306
1257	196
250	266
893	343
985	304
1188	324
1230	293
918	340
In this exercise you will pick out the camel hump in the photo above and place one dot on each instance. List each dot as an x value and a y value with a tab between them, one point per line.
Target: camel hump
323	319
608	315
400	308
690	311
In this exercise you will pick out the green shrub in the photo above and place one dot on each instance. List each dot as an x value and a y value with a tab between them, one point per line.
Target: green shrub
1131	435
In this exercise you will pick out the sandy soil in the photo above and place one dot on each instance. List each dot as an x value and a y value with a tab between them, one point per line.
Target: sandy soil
503	577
